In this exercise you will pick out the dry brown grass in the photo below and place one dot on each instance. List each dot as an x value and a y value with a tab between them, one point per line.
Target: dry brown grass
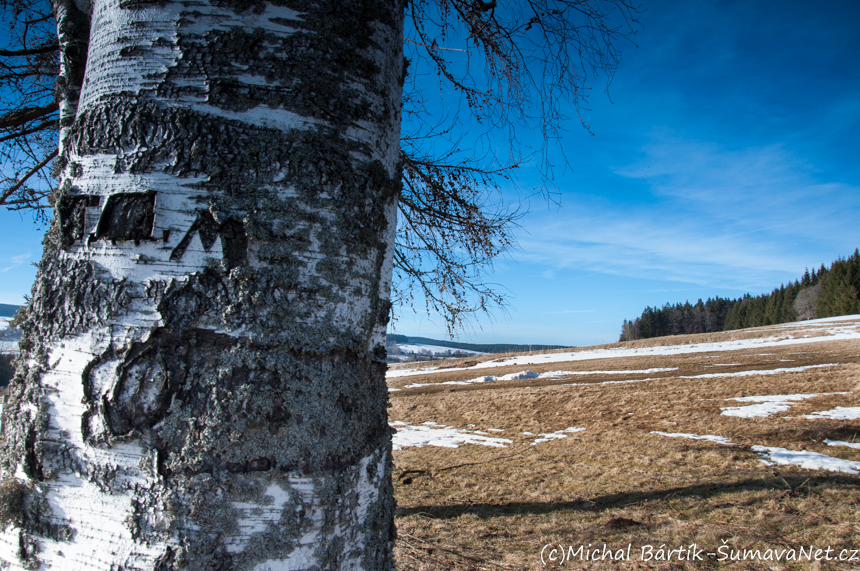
476	507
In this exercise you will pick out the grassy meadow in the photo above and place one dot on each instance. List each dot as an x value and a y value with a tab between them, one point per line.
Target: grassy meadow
617	484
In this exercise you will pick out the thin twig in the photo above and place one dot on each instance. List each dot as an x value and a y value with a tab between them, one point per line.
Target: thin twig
434	47
36	129
31	172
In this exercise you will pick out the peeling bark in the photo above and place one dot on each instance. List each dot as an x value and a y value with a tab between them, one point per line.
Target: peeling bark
202	376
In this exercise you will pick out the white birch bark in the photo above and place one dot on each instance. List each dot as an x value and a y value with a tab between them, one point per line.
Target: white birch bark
202	374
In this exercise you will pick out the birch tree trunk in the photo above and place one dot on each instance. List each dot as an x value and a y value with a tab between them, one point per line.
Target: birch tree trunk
201	383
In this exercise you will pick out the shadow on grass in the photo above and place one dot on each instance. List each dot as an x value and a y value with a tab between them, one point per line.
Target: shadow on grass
817	431
624	499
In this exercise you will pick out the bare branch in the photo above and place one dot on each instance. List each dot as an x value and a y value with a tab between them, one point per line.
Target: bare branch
435	47
46	49
20	117
42	18
23	179
36	129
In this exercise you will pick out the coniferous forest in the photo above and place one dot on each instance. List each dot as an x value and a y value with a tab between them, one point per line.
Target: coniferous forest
827	292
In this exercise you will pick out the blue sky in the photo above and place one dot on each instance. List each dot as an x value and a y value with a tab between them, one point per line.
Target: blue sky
726	162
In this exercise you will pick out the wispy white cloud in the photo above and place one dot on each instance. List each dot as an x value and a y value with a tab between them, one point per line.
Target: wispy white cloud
17	261
568	311
766	187
645	245
738	219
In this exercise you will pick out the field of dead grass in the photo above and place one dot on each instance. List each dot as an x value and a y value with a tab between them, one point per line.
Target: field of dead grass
615	483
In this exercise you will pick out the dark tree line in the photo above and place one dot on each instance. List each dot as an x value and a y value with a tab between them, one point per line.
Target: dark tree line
840	290
677	319
827	292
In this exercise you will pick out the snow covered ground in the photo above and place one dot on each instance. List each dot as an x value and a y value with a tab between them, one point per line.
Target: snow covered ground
435	350
806	459
813	331
759	372
774	455
432	434
838	413
752	407
8	338
549	436
522	375
840	443
767	405
708	437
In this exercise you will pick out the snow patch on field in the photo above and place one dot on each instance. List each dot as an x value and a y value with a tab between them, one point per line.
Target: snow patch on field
838	413
434	349
522	375
841	443
485	379
773	455
708	437
805	459
812	323
556	435
628	372
826	330
768	404
759	372
432	434
624	382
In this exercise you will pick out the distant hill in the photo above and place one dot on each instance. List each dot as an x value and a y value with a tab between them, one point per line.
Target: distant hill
7	310
479	347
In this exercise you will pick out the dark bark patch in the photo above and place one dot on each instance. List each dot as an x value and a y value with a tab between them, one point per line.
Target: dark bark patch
311	71
72	211
127	216
345	403
234	243
132	4
32	461
258	465
12	495
153	371
255	398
